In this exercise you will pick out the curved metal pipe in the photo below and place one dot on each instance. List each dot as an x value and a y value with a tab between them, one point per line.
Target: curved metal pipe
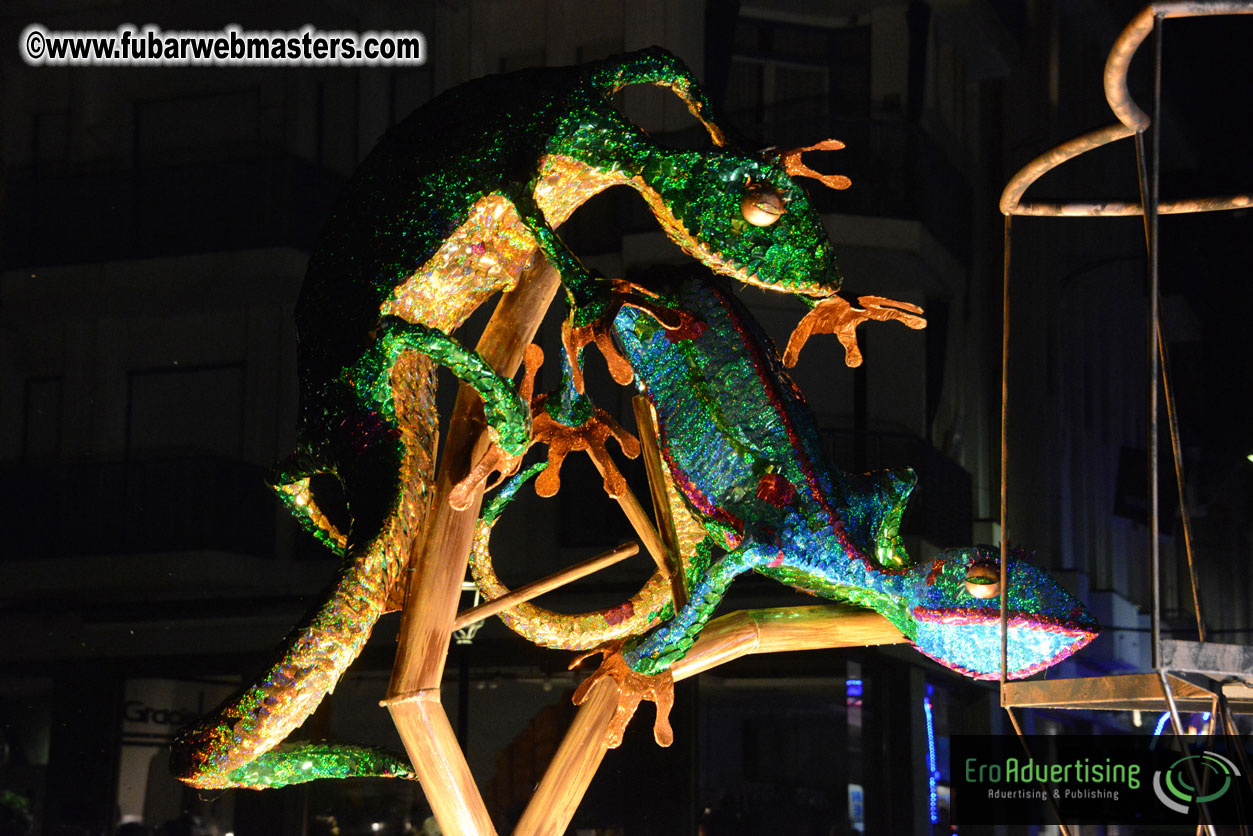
1119	60
1131	120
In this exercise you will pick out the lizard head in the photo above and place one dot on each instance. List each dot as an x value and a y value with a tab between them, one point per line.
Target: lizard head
743	217
957	613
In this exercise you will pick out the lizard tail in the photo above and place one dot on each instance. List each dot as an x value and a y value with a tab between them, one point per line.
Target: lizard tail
562	631
296	763
658	67
236	745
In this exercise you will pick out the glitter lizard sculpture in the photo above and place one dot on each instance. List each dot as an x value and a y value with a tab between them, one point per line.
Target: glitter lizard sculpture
445	212
747	475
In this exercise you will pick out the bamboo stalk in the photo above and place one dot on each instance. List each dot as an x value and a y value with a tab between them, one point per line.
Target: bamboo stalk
784	628
450	788
646	429
536	588
573	766
435	584
439	562
643	525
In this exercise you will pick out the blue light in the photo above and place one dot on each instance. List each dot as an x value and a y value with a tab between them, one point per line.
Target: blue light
933	774
1161	723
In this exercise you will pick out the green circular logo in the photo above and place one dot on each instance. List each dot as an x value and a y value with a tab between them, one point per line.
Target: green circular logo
1174	789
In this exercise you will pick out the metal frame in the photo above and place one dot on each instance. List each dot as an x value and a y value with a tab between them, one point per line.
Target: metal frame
1176	665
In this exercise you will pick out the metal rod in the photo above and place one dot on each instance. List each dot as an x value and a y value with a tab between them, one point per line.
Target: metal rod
1122	209
1005	458
1154	566
1051	159
1119	61
1132	120
1048	797
1176	449
1155	314
1181	742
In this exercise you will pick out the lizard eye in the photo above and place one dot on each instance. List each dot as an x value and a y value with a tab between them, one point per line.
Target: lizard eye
983	581
762	205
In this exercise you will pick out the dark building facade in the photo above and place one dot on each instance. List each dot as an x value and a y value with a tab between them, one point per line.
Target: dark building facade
156	225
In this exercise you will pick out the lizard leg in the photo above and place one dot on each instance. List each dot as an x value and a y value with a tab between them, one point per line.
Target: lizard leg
836	315
641	666
566	420
619	293
594	300
668	643
508	416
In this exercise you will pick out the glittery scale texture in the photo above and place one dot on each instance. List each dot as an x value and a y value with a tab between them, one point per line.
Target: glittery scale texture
449	209
745	454
564	631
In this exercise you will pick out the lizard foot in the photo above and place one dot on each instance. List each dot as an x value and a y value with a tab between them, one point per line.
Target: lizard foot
592	436
496	459
836	315
632	688
599	331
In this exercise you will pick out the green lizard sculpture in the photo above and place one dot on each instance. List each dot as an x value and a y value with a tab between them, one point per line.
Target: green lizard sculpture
446	211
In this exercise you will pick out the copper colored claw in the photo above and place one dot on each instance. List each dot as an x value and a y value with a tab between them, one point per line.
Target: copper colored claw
792	162
836	315
600	332
495	459
591	436
632	689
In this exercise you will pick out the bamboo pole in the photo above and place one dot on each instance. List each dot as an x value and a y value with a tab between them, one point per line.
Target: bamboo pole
570	773
439	563
779	629
643	525
534	589
646	429
450	788
740	633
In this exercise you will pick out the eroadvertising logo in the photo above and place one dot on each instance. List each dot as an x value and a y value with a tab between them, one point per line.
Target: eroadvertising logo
1114	779
1174	786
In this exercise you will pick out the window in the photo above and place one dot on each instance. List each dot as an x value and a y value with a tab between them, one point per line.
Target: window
788	80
